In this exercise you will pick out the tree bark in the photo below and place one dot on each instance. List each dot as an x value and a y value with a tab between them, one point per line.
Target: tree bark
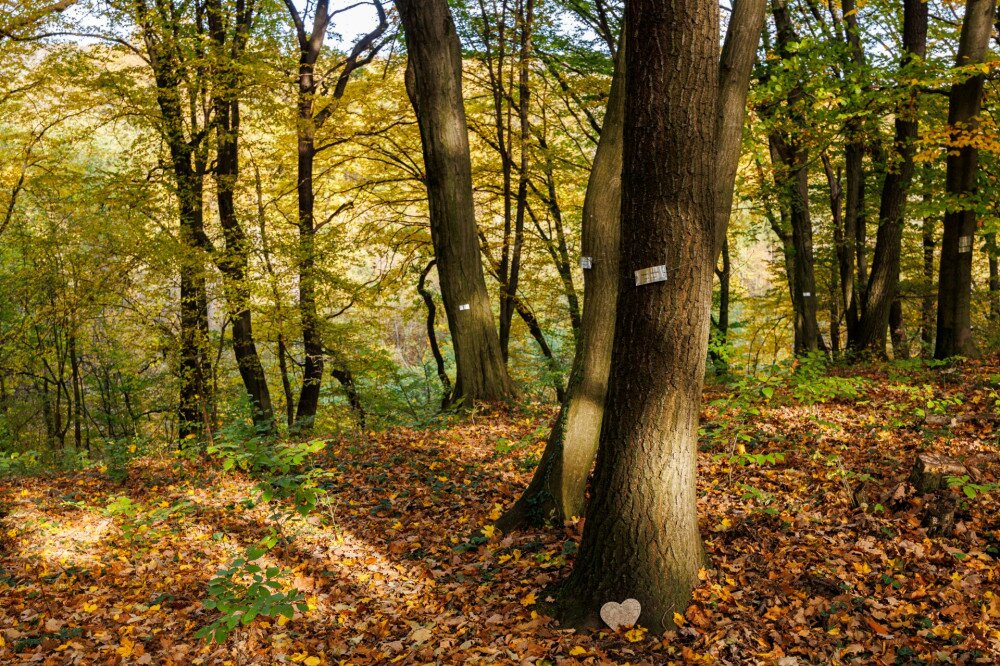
434	85
558	487
641	536
883	282
954	314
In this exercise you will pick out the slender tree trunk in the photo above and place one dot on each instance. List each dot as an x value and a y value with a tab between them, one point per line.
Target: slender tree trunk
641	537
927	298
790	158
720	328
234	261
557	489
525	19
954	313
991	251
432	335
883	283
851	251
342	373
836	269
74	362
897	331
434	84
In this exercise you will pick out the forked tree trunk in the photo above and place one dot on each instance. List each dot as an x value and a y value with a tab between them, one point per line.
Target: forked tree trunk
954	314
234	260
641	536
557	490
428	297
883	282
434	85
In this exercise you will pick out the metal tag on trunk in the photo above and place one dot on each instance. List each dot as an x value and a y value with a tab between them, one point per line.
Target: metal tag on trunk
464	306
586	262
964	244
651	275
807	294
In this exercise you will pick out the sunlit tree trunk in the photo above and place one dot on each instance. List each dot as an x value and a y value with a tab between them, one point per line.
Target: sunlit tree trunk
434	85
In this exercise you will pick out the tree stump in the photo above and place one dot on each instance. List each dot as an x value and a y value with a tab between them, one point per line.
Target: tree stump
931	472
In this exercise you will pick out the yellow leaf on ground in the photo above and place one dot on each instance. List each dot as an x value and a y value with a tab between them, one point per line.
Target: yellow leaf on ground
529	599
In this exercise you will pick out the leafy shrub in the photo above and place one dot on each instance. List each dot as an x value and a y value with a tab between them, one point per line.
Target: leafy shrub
245	590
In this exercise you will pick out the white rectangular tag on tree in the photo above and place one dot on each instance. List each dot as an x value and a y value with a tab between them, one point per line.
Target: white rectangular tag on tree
464	306
964	244
586	262
806	294
650	275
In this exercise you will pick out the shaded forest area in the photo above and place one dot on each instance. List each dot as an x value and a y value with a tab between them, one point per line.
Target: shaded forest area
506	331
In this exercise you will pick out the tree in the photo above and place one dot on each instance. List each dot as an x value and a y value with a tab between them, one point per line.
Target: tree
557	489
180	83
954	321
641	536
229	37
313	112
883	281
434	85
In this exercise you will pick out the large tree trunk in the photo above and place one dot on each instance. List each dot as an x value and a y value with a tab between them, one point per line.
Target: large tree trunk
954	317
434	84
641	536
883	282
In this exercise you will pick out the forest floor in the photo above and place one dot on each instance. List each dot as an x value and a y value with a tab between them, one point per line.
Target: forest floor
819	555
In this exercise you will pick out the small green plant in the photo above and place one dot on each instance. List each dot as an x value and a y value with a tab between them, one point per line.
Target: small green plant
245	590
118	455
971	490
742	458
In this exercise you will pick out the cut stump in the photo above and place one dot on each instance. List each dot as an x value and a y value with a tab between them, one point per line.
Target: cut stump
931	472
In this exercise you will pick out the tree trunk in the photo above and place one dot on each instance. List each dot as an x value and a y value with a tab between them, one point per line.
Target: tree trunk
641	536
557	489
883	282
927	298
954	314
434	85
897	329
234	261
790	160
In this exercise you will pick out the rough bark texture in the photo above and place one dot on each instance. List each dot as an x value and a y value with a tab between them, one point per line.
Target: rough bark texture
641	537
954	321
883	282
557	489
434	85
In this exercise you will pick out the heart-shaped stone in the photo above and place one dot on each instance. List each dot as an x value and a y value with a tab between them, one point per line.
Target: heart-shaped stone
624	614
